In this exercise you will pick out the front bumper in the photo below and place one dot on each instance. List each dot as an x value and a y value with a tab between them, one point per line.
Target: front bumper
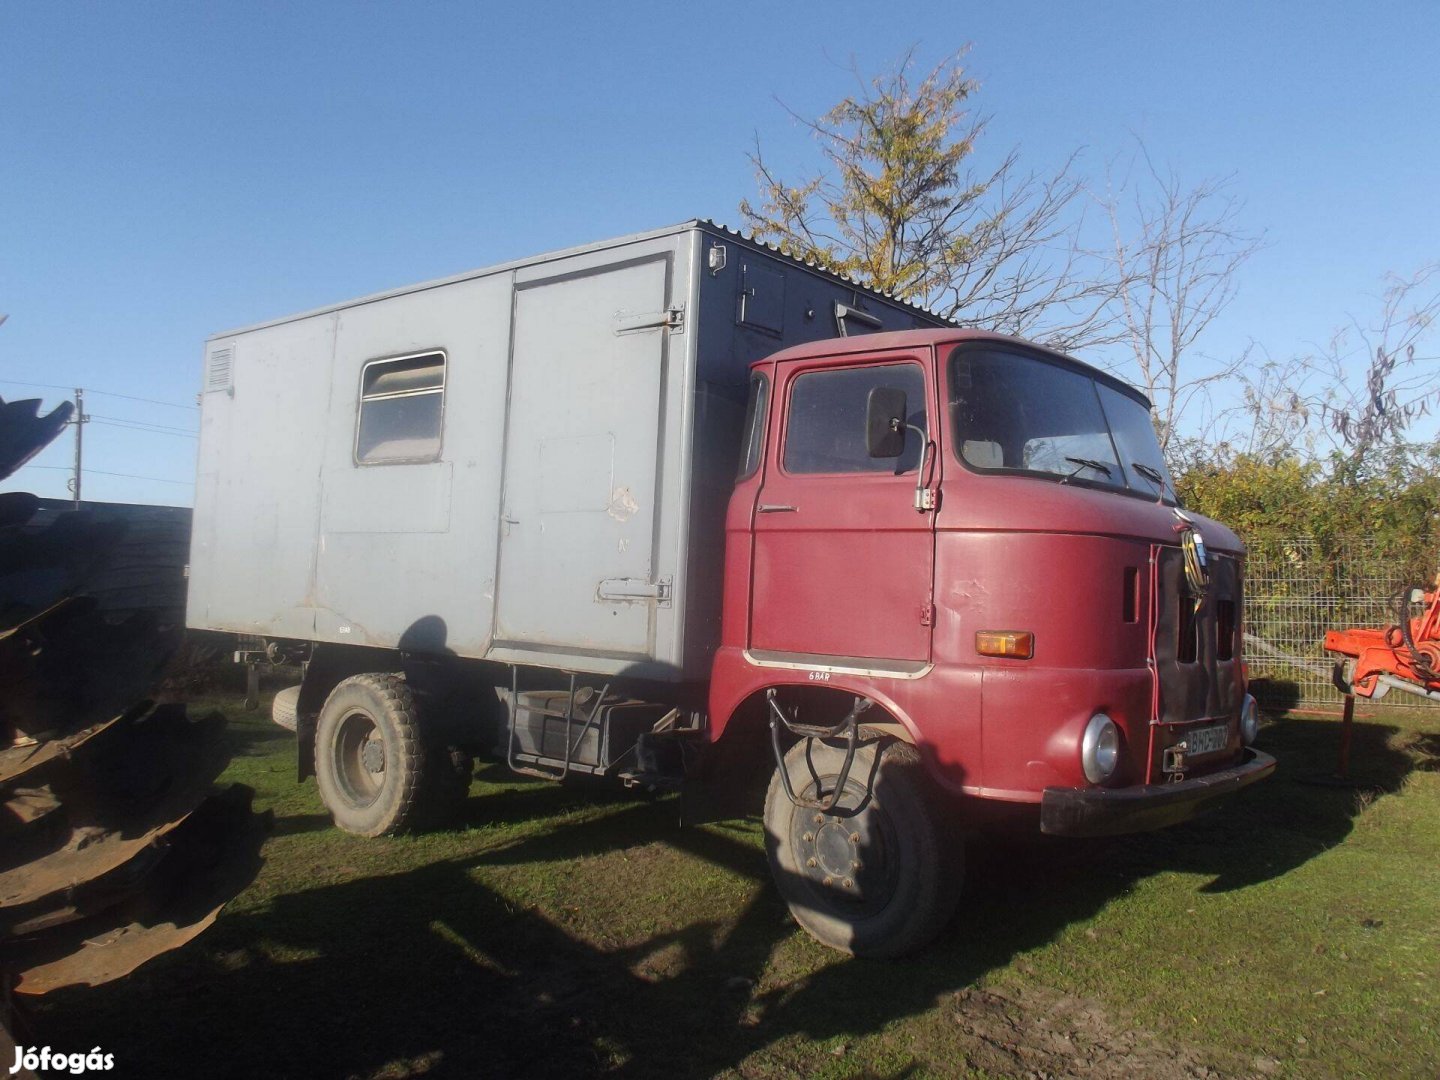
1111	811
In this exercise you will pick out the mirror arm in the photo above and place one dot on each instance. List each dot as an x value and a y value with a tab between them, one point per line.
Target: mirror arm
924	497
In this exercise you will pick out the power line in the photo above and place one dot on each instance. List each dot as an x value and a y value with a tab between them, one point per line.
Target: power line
143	425
147	423
152	401
102	472
105	393
132	476
147	430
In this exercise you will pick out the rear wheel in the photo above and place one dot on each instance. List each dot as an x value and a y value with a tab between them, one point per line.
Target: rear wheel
448	772
881	882
369	755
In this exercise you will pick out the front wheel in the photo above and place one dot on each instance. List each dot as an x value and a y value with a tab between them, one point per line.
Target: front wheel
880	883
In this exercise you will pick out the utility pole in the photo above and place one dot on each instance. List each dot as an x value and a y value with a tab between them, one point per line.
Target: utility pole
79	421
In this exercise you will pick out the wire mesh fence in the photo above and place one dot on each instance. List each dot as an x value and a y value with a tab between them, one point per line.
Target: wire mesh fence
1297	588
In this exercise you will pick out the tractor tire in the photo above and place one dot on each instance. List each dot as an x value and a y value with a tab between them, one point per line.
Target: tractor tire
881	883
370	755
283	708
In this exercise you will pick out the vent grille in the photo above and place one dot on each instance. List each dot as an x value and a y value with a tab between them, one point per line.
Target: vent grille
220	368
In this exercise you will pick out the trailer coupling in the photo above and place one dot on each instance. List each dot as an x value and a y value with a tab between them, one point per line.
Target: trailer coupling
849	728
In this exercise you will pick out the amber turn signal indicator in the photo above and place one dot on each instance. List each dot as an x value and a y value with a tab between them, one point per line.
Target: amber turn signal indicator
1015	644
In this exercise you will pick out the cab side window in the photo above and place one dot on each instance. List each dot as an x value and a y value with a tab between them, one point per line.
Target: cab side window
756	406
825	432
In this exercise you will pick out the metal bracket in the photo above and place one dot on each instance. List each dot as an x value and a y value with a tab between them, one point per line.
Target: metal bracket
672	318
1172	761
849	727
847	313
252	685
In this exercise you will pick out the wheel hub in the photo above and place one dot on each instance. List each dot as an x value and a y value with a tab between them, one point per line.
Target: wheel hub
846	859
372	755
834	850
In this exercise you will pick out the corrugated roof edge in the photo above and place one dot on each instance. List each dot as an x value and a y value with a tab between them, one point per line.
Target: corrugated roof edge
583	249
707	223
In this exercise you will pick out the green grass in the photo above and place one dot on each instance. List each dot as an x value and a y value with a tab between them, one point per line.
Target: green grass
562	931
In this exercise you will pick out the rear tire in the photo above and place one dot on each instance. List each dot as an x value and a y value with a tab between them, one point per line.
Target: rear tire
369	754
881	883
448	772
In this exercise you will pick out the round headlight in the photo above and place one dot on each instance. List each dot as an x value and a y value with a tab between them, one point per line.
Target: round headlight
1249	720
1100	749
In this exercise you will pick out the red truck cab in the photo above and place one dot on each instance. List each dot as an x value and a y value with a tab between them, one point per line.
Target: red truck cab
957	577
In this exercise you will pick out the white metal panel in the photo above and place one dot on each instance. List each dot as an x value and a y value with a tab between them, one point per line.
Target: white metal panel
257	490
410	541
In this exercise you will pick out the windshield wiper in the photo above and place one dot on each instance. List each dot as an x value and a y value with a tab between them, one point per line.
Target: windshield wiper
1087	463
1154	475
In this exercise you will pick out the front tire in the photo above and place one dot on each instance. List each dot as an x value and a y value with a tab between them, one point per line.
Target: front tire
369	754
880	883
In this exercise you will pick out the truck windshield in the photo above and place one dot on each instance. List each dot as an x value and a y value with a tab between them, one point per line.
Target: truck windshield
1018	413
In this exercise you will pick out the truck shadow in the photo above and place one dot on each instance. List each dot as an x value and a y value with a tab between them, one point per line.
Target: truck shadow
433	971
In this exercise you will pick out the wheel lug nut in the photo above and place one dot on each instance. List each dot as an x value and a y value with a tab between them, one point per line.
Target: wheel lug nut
819	819
811	863
854	838
849	884
828	882
809	837
856	866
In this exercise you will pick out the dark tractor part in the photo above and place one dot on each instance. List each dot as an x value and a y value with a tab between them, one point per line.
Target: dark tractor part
880	875
113	848
370	754
24	432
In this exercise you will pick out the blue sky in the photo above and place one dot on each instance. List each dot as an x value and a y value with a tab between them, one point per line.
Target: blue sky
169	170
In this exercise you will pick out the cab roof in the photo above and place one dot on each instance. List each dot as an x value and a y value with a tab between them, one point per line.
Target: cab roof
840	348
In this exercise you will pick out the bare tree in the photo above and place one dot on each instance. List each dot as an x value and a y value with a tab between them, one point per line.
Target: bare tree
1365	389
1176	250
1400	380
897	205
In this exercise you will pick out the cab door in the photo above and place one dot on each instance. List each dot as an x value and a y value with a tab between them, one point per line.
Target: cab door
844	562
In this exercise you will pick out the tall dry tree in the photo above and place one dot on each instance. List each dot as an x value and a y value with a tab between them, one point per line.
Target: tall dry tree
898	205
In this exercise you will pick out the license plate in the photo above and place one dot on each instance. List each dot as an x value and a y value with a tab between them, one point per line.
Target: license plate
1207	740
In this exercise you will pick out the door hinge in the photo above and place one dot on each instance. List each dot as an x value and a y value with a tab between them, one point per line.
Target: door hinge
927	615
672	318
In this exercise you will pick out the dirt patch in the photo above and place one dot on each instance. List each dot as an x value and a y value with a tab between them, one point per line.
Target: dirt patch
1042	1034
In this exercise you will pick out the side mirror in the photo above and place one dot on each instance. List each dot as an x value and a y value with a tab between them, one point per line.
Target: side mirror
885	422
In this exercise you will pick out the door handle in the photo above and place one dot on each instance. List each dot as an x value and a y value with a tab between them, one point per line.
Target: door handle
775	508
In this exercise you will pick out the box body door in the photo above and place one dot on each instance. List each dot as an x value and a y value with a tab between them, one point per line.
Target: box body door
578	528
